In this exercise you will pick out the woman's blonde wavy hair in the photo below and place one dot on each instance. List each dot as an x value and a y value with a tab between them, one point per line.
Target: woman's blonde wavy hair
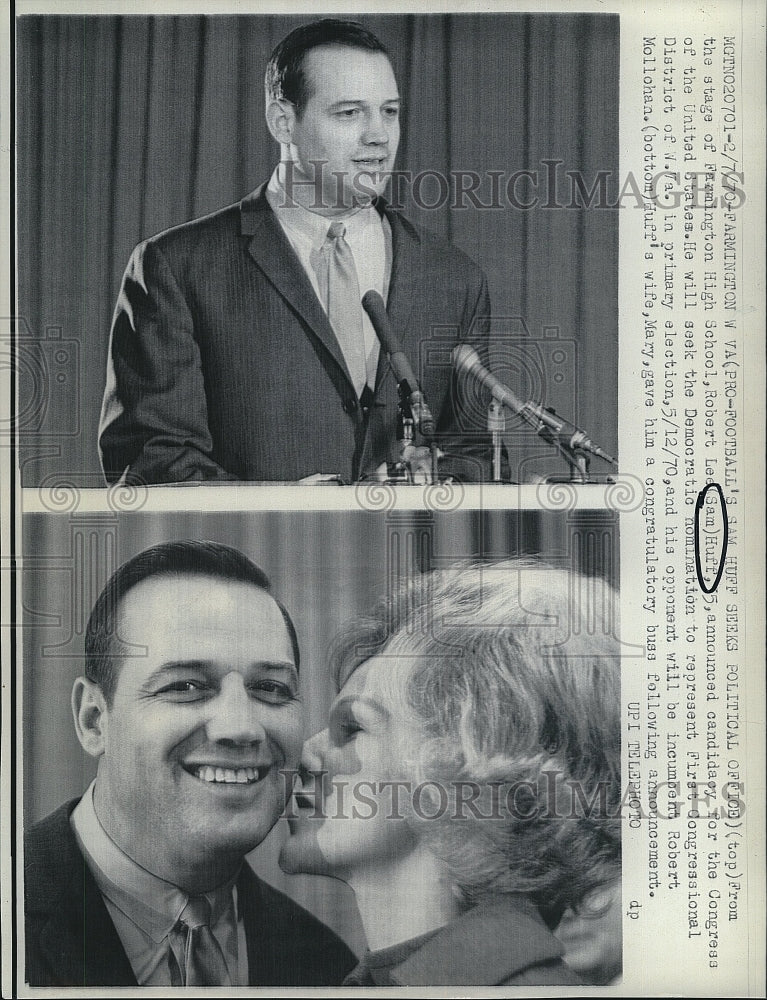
508	675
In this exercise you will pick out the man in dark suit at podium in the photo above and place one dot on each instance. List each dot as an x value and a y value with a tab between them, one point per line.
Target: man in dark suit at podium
190	705
239	348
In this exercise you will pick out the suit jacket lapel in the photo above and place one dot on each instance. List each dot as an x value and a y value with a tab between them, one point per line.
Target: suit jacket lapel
270	249
91	953
399	301
404	268
260	928
80	941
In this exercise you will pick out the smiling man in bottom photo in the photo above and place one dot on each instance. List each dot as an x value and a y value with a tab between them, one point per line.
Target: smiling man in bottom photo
190	705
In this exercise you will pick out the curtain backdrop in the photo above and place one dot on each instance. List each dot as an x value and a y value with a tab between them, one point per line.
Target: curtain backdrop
129	125
325	567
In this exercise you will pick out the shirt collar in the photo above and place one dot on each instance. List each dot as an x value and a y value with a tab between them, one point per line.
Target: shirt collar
153	904
310	226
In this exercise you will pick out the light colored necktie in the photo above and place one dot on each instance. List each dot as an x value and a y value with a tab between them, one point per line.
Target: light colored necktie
204	963
340	294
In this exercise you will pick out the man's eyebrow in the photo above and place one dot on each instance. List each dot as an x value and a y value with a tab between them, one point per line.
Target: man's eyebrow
170	666
355	102
211	667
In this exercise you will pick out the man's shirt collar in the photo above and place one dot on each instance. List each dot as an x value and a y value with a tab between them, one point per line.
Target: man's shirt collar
308	226
151	903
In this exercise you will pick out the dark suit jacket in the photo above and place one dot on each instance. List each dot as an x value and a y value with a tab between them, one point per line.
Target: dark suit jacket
223	365
71	940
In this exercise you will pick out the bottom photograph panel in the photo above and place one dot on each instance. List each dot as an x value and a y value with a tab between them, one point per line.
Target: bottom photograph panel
321	749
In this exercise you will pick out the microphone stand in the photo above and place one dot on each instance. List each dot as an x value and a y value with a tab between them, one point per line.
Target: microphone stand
401	472
496	425
434	462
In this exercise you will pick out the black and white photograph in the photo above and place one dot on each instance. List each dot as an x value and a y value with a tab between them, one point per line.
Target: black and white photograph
381	498
408	724
285	249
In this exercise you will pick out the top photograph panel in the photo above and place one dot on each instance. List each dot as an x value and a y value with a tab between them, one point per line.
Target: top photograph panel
270	249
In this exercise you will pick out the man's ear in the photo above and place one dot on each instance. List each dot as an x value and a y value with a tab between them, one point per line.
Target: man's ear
281	117
90	711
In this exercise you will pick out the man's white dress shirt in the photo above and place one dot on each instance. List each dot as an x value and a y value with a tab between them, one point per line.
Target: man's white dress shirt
145	909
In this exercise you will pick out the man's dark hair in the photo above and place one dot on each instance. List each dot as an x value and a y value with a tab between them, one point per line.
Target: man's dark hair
103	648
285	77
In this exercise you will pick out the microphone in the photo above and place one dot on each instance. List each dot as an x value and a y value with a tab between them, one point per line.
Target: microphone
466	359
374	306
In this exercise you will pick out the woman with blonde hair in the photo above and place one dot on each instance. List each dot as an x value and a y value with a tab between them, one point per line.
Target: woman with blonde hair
467	787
